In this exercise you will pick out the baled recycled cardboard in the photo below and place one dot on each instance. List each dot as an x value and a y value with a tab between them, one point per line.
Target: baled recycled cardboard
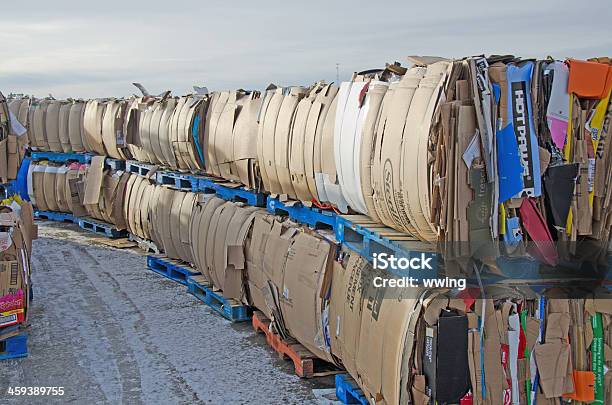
223	146
328	179
297	147
75	126
379	367
314	140
49	188
277	245
52	117
166	156
211	238
112	128
306	283
375	95
200	226
389	175
255	253
245	141
39	135
215	110
415	154
93	184
220	258
60	191
234	252
266	143
282	141
92	123
64	132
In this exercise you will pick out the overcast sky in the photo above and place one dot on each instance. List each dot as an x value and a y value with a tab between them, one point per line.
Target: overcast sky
98	48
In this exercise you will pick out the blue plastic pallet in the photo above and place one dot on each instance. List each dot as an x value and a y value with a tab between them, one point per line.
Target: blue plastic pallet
62	157
115	164
142	169
14	347
348	392
313	217
367	237
56	216
230	309
237	194
170	268
101	228
179	181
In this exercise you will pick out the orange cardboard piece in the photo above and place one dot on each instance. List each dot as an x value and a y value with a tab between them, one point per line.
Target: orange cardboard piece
584	387
589	79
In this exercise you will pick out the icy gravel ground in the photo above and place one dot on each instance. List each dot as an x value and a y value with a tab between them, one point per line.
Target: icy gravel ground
110	331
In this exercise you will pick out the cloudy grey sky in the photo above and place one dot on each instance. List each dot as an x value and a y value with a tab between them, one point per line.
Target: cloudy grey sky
98	48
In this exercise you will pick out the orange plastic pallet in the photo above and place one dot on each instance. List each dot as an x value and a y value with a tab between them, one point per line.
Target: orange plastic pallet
303	360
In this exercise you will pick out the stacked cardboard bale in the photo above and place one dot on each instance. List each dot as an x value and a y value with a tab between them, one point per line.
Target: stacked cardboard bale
17	232
167	130
83	190
17	139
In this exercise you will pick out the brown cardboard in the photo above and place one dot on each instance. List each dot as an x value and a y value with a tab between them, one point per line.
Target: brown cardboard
75	126
220	259
52	117
552	360
199	229
64	132
255	253
48	188
245	141
94	180
303	287
92	123
266	143
282	135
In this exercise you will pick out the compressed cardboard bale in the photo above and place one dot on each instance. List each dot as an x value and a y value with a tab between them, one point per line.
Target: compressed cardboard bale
92	124
38	118
36	173
215	109
52	118
211	238
306	285
154	129
328	187
415	155
244	158
218	262
201	218
76	130
164	218
387	182
229	254
282	144
167	153
112	128
73	173
128	207
49	188
190	129
175	124
254	254
183	224
64	131
265	138
345	308
313	132
353	137
60	188
237	259
297	146
145	129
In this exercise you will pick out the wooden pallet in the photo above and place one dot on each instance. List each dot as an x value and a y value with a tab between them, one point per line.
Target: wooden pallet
306	364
